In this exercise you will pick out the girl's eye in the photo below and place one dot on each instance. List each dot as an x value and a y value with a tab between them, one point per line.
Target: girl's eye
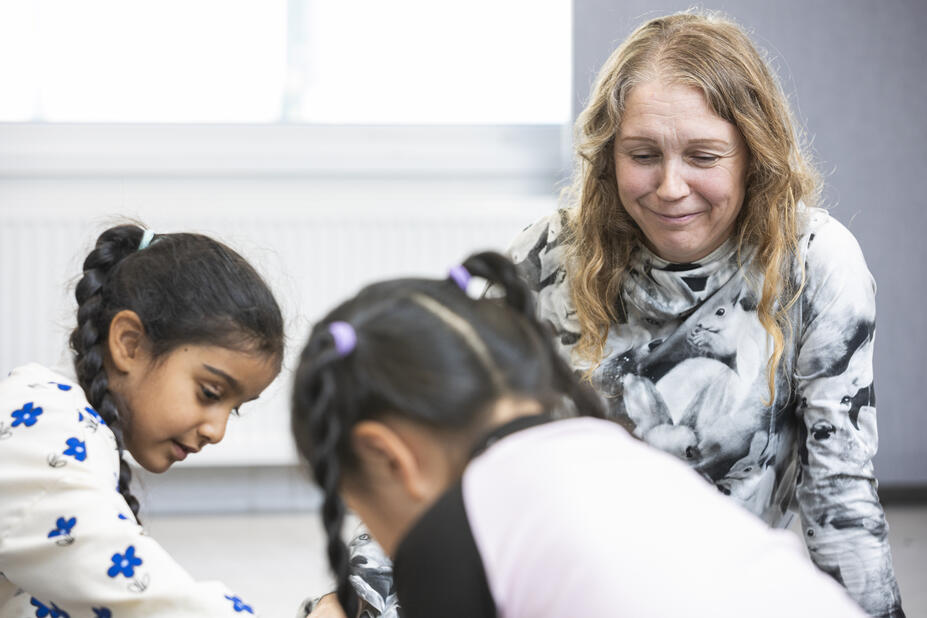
236	412
208	393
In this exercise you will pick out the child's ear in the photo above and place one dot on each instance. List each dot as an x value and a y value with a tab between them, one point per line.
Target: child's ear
387	458
125	341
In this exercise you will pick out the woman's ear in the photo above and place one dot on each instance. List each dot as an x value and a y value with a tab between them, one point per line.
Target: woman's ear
387	458
126	341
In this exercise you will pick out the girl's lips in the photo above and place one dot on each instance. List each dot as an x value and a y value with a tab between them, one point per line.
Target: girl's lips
180	453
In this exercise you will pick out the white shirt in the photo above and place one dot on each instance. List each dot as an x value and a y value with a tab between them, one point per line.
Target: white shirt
577	518
69	544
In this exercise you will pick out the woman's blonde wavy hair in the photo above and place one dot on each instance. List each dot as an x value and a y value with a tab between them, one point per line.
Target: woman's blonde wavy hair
714	55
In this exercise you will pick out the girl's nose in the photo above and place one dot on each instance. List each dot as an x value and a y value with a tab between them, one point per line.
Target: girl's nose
212	430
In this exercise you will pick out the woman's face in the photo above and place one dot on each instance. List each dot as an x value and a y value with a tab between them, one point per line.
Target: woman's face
182	402
681	170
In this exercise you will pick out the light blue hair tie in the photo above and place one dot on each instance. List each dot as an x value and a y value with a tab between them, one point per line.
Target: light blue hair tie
146	239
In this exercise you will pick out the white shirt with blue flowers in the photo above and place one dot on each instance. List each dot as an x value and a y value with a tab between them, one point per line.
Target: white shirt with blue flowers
69	545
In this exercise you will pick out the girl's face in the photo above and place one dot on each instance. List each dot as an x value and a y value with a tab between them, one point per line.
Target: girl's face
179	403
681	170
405	466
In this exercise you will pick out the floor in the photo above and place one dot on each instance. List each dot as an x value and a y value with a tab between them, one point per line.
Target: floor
274	561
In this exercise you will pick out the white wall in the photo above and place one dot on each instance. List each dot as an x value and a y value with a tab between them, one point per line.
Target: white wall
319	227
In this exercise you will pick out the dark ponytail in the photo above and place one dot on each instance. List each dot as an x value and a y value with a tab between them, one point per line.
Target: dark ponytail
89	337
499	271
185	288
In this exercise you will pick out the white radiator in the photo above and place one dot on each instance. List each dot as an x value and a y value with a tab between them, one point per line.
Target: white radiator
315	243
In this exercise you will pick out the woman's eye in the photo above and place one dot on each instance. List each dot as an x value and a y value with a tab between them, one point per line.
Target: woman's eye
236	412
208	393
705	159
644	158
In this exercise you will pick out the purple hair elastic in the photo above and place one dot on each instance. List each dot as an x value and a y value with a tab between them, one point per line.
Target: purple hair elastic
345	337
461	276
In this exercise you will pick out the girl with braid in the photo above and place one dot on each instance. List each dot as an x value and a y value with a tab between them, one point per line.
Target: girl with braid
431	414
174	333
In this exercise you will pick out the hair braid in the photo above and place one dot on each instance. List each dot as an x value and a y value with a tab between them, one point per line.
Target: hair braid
88	338
325	428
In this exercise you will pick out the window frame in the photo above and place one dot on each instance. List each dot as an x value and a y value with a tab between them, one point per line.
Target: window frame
283	150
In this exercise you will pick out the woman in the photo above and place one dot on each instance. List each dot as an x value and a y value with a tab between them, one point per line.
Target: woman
723	319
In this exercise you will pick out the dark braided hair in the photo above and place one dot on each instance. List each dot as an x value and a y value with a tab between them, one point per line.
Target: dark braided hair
427	351
185	288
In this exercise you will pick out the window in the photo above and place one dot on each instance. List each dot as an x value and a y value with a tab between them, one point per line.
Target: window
279	61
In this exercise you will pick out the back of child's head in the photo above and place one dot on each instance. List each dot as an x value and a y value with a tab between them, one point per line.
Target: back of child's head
424	350
185	289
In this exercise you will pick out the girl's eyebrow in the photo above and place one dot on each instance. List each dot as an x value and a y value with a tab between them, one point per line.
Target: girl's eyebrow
232	381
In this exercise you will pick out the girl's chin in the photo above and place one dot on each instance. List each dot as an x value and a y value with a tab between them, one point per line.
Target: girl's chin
153	464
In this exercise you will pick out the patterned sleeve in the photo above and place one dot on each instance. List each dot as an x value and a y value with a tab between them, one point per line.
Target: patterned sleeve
371	576
540	255
69	544
842	519
526	251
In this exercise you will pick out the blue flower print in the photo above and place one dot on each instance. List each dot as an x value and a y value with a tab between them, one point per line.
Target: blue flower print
238	605
63	530
102	612
96	415
41	609
26	415
61	387
57	612
121	516
76	449
124	564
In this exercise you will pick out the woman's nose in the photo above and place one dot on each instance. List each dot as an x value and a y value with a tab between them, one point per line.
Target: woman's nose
673	186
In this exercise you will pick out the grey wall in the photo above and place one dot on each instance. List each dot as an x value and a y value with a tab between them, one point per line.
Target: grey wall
855	73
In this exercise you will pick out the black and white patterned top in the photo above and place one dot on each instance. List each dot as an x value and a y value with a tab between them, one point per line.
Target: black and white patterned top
685	369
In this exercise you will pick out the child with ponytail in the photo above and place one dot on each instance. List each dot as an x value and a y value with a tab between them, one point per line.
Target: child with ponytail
174	332
430	413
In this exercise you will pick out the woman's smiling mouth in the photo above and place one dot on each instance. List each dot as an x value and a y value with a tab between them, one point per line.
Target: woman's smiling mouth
680	219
